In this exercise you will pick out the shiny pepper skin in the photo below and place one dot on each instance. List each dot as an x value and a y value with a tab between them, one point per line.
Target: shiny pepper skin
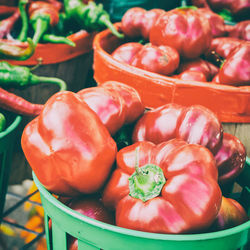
231	214
189	200
115	104
194	124
68	147
126	52
235	70
183	29
163	60
137	22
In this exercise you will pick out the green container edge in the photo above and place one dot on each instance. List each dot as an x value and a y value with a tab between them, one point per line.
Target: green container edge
6	149
12	126
140	234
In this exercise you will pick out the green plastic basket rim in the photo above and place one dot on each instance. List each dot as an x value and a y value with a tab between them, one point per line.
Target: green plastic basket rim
140	234
12	126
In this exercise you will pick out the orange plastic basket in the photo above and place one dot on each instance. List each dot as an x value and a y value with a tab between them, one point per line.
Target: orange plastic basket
231	104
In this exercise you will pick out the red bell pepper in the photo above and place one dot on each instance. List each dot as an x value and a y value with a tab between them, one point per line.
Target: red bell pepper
183	29
230	158
91	207
166	188
158	59
216	22
115	104
194	124
236	69
199	65
68	147
126	52
148	20
241	30
189	75
223	46
137	22
231	214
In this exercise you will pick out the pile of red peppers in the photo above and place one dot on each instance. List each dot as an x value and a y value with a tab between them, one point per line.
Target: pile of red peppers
167	178
188	43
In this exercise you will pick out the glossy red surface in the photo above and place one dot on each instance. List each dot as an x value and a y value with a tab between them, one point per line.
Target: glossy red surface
231	104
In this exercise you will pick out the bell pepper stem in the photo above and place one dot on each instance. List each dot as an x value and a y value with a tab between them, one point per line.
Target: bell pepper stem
57	39
104	20
147	181
44	79
40	26
25	23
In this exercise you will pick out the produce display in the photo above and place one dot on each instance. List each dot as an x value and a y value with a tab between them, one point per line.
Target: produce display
167	169
21	77
169	175
31	29
52	21
194	34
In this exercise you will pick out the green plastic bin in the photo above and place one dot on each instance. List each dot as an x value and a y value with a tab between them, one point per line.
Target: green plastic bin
117	8
7	140
92	234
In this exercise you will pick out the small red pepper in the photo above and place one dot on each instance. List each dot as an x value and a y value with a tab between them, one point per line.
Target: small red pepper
236	68
241	30
190	75
7	24
68	147
91	207
230	158
231	214
194	124
183	29
158	59
199	65
223	46
126	52
166	188
115	104
18	105
137	22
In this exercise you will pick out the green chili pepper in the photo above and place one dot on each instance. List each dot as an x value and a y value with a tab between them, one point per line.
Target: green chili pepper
2	122
40	24
8	51
89	16
57	39
25	22
21	76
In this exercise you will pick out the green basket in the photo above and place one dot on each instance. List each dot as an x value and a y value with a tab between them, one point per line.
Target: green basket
93	234
7	140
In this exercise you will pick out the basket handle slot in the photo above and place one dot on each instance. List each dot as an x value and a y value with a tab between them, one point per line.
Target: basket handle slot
86	246
244	178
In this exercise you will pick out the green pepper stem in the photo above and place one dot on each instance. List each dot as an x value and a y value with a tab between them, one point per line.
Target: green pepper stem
44	79
40	26
25	23
104	20
2	122
58	39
